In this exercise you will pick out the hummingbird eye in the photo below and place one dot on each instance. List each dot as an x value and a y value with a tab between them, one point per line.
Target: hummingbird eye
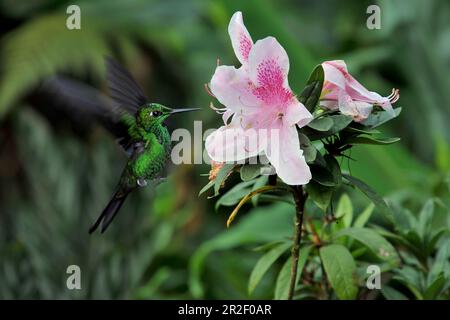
156	113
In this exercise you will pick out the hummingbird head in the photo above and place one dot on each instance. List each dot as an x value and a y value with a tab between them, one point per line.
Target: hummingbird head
154	114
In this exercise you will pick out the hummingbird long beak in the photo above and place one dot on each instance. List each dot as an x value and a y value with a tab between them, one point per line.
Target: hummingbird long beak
183	110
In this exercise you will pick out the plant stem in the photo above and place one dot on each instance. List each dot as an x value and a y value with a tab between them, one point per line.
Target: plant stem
299	199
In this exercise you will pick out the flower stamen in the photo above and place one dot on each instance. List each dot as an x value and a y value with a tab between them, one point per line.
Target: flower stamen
208	90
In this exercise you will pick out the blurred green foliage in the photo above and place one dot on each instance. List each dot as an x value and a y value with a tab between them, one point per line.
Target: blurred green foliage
57	170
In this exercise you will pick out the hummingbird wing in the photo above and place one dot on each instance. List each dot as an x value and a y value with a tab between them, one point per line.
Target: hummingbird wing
81	98
123	88
126	97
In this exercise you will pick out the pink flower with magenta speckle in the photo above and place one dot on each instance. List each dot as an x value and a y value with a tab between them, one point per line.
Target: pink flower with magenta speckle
261	113
341	91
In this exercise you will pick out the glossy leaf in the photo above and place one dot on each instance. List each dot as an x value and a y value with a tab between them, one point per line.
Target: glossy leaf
235	194
222	175
208	186
309	151
264	263
340	122
372	195
320	194
378	118
340	268
321	124
362	219
345	210
371	140
435	287
283	279
392	294
260	182
372	240
250	171
326	171
311	93
425	218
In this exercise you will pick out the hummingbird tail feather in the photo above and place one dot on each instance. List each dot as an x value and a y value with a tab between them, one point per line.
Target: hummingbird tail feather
109	212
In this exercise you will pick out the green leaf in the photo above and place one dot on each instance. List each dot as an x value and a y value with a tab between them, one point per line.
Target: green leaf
309	151
322	176
264	264
340	122
372	240
371	140
442	260
311	93
345	210
358	252
362	219
392	294
268	246
377	119
320	194
356	128
340	268
321	124
328	173
425	218
235	194
250	171
283	279
411	278
414	239
260	182
222	176
372	195
435	238
334	168
435	287
208	186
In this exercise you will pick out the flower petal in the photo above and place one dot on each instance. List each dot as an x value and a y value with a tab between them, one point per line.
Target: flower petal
226	116
268	63
334	72
232	88
296	113
285	155
234	143
240	38
337	74
359	110
329	104
383	102
268	66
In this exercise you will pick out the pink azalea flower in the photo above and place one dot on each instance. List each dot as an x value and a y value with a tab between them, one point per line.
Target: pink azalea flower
263	110
341	91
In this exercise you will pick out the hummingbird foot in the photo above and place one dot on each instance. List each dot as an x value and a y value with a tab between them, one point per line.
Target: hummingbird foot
142	182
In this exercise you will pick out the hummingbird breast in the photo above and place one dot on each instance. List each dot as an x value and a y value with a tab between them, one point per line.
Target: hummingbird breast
149	162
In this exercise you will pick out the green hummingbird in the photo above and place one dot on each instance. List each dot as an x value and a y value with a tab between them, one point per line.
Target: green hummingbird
137	123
